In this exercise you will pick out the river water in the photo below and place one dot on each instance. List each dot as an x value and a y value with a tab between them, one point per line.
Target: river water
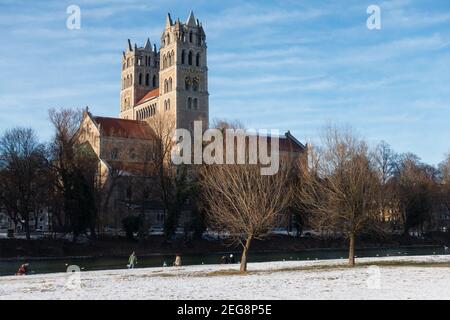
47	265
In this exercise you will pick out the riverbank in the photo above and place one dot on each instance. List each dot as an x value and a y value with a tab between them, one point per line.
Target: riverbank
426	277
157	245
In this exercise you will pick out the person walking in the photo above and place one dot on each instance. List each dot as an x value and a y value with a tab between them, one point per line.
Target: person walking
132	260
177	262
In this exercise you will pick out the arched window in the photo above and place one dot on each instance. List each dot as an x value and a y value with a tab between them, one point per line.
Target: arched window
187	83
195	104
168	104
131	79
164	61
166	86
169	59
140	78
195	84
147	78
170	84
183	57
154	81
197	60
190	58
189	103
190	36
148	61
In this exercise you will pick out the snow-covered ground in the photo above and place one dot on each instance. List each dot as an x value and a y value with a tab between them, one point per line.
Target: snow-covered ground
267	280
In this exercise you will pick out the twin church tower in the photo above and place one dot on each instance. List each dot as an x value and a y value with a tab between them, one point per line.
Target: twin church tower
173	80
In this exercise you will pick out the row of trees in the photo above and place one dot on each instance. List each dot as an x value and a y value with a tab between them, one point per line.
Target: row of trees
64	177
35	176
345	188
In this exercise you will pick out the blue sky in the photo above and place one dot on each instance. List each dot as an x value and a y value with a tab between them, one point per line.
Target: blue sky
294	65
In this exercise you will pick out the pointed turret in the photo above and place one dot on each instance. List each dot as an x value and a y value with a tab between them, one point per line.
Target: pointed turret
168	21
130	48
148	45
191	20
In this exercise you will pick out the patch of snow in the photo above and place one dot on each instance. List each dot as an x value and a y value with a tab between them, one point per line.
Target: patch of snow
266	280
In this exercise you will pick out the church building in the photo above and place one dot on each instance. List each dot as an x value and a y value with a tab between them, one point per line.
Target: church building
172	82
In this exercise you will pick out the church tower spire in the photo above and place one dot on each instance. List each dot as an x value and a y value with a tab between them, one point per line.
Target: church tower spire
139	75
173	80
191	22
184	73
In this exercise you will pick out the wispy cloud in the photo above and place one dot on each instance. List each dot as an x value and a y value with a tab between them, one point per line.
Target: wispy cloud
274	64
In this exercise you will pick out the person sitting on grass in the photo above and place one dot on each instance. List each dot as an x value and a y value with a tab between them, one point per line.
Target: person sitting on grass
23	270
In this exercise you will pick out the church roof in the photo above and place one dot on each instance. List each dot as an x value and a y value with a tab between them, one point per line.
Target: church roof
124	128
149	95
289	143
286	143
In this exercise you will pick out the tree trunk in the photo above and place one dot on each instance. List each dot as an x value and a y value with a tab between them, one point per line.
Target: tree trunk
244	255
351	250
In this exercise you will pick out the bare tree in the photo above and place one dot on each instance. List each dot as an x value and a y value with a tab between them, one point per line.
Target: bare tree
172	180
387	165
444	168
239	200
223	124
23	167
386	161
416	188
340	188
75	169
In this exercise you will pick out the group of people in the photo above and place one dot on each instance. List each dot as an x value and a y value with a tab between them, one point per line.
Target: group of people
227	260
132	261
